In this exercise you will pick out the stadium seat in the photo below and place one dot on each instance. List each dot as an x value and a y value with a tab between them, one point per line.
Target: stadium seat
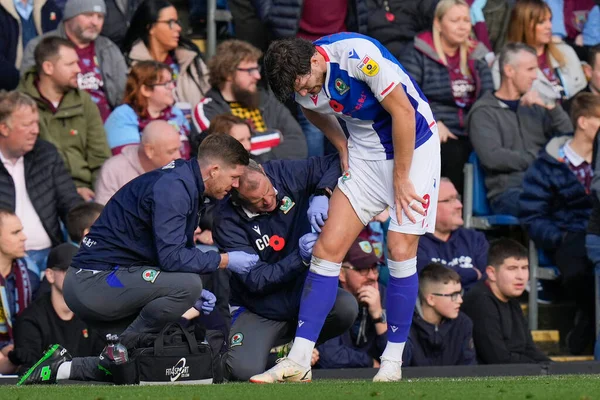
478	215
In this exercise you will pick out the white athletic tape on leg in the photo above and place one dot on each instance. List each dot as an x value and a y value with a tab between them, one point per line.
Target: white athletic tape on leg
324	267
402	269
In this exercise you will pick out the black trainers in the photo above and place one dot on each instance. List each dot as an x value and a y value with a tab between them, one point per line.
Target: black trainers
45	370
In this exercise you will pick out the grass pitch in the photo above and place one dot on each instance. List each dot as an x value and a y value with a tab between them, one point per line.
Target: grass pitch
580	387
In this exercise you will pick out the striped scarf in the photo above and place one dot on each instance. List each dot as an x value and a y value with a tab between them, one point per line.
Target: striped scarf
22	298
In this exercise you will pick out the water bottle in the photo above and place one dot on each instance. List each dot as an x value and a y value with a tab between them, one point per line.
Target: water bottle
115	350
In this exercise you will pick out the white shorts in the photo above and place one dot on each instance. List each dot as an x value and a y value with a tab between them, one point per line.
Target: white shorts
369	187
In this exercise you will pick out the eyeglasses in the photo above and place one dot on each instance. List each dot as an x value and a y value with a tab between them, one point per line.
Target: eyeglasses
250	71
166	84
451	199
171	23
453	296
363	271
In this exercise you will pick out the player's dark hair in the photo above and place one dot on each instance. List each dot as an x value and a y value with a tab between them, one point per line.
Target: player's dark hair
48	48
285	61
80	218
223	148
501	249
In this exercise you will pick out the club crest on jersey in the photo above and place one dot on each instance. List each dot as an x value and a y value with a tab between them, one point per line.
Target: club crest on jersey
237	339
341	86
368	66
286	204
150	275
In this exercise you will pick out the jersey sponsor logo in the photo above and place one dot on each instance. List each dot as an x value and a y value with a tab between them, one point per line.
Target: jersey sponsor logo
341	86
150	275
369	66
286	204
88	242
276	242
237	339
353	54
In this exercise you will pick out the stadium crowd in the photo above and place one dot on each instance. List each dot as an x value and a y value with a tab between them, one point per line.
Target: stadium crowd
95	93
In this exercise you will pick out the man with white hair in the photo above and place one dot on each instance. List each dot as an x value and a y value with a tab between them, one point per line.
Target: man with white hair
160	145
103	69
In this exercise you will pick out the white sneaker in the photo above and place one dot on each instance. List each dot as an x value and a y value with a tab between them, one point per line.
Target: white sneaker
285	370
389	371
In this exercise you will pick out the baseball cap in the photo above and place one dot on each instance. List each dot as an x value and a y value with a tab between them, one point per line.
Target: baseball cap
75	7
361	255
60	257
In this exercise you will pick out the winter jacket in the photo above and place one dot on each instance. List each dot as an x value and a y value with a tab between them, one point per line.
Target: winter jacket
49	185
122	127
112	64
449	343
46	16
118	19
272	289
553	201
500	331
427	69
116	172
571	76
283	17
75	129
410	18
507	142
465	250
344	352
151	221
274	113
192	83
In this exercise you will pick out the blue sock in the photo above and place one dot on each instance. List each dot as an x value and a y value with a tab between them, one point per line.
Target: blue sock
401	294
318	297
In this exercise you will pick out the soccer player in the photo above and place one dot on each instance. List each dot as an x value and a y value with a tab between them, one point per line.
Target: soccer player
392	159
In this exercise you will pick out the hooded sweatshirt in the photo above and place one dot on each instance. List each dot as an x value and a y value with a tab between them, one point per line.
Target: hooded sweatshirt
507	142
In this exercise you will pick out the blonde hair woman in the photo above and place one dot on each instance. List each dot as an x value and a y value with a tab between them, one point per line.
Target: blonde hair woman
560	75
449	68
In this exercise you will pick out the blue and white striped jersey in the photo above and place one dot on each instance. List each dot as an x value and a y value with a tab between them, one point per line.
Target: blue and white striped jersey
361	72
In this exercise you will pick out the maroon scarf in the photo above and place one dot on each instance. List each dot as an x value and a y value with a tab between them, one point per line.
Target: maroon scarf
23	295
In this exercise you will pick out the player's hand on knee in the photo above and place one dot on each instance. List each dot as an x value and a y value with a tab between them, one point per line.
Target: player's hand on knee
407	200
318	212
206	303
306	244
241	262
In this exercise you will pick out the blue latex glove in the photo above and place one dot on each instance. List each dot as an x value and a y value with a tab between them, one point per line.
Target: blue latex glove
317	212
306	244
241	262
206	302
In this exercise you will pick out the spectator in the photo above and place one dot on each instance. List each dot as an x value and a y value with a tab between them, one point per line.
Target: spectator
267	216
591	29
34	183
559	74
509	127
119	14
555	206
569	20
160	145
362	345
592	72
148	97
461	250
49	320
233	126
500	330
18	25
234	75
495	14
440	333
80	219
17	283
449	68
395	23
69	119
155	34
102	65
